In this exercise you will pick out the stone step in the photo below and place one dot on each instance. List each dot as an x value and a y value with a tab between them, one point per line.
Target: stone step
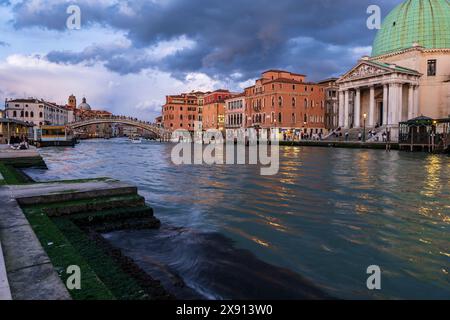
95	205
72	196
89	218
128	224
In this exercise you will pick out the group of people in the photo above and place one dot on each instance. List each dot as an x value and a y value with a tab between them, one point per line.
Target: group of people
303	136
19	143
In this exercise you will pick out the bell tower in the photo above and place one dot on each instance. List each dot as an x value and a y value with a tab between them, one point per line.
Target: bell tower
72	102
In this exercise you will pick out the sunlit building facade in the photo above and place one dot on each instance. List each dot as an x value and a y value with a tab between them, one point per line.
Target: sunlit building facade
408	73
284	100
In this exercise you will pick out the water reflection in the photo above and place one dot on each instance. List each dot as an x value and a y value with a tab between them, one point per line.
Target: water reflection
327	215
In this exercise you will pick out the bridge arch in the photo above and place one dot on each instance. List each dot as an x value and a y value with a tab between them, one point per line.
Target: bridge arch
159	132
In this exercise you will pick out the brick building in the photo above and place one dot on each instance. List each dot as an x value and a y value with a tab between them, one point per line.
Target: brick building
182	111
213	114
284	100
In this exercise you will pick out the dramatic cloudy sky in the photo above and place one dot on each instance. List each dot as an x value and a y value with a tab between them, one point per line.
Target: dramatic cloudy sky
129	54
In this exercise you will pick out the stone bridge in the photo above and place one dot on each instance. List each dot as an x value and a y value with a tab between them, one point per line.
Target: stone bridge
159	132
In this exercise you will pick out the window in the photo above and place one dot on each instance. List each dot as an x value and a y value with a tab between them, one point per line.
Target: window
280	101
306	103
15	114
279	117
431	68
293	102
32	114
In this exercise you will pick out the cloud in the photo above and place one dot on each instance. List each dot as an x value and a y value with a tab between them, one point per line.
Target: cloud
225	37
141	94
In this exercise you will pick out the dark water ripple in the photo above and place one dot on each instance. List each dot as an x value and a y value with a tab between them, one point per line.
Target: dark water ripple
327	216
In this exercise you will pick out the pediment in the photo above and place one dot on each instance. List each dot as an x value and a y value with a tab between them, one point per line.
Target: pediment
364	70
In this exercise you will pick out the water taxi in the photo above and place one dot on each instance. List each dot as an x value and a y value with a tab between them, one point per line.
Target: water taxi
51	136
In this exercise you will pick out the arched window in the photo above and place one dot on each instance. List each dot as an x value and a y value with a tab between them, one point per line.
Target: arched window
21	113
293	102
26	114
279	117
273	102
280	101
306	103
14	114
32	114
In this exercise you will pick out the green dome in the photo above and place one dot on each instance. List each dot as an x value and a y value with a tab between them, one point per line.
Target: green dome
426	22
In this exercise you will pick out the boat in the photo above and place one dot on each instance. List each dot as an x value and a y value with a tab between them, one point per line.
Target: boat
53	136
135	140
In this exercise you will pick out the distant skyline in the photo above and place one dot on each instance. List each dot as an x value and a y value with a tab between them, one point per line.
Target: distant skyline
129	55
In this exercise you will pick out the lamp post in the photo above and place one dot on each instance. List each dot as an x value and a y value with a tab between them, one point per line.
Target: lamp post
364	130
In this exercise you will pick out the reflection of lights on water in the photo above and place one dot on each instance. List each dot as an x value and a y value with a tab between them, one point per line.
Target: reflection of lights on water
425	241
432	182
260	242
445	254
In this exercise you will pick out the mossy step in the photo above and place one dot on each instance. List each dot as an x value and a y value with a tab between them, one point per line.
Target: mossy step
89	218
118	282
11	175
63	254
73	195
128	224
95	205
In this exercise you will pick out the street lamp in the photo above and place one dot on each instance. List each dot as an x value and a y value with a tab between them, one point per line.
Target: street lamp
364	131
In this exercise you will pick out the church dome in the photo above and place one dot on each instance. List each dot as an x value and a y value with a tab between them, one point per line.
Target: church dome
84	105
425	22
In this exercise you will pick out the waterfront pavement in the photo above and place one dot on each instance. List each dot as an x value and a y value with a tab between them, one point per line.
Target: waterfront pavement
29	270
5	291
7	153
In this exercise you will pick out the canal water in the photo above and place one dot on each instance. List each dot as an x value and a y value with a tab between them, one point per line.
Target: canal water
310	231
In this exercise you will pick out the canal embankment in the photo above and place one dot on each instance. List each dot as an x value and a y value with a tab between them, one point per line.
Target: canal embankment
342	144
47	227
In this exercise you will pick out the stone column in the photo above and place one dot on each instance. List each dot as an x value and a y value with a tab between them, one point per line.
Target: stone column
410	102
346	109
400	103
385	104
416	102
357	114
393	102
372	107
341	109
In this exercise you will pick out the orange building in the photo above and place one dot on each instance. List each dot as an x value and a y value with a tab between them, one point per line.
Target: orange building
214	110
181	111
284	100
